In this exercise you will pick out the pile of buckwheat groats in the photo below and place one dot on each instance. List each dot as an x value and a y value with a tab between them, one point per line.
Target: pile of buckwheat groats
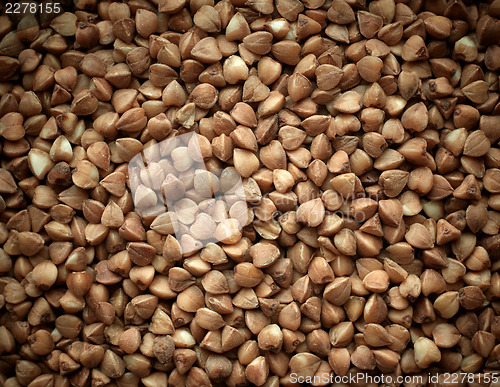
337	200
